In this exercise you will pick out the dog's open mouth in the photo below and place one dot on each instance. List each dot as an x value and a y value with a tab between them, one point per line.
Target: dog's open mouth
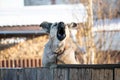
61	31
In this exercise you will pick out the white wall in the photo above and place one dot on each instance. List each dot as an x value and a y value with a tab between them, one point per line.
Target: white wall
13	12
11	4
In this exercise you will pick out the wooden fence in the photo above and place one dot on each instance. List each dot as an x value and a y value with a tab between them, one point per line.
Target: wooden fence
21	63
63	72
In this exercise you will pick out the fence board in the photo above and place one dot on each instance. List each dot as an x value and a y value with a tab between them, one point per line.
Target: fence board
95	74
73	74
44	74
65	72
82	74
88	74
108	74
117	74
20	74
9	74
30	74
101	74
60	74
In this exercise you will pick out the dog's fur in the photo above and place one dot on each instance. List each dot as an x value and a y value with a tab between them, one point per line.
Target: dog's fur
59	49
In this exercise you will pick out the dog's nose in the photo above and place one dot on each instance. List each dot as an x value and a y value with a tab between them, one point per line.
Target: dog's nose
61	25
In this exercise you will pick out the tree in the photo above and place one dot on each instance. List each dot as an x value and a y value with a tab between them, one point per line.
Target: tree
90	46
89	40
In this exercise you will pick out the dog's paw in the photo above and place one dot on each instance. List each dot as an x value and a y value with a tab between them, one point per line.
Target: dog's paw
53	56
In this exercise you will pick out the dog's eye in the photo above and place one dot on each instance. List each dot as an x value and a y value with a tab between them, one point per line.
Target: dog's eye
54	25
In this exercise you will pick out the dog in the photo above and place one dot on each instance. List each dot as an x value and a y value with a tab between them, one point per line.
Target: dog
60	48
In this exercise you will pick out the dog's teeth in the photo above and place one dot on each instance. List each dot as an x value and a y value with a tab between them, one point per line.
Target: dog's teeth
59	35
64	35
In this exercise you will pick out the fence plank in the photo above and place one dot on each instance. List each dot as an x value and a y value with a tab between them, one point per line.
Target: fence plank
63	73
80	75
74	74
85	74
60	74
9	74
20	73
109	74
44	74
101	73
88	74
117	74
30	74
95	74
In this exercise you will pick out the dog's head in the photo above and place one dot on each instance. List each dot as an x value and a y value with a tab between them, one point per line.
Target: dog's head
58	33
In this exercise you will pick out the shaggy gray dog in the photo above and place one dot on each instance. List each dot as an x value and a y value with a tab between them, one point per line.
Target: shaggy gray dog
60	48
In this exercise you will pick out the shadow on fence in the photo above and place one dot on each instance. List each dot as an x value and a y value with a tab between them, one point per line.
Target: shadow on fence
63	72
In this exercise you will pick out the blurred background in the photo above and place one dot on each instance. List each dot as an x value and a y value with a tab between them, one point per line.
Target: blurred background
22	40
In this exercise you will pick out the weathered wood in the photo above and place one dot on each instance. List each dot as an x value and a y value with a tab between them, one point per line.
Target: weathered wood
9	74
60	74
44	74
102	73
117	74
65	72
80	74
29	74
95	74
109	74
20	74
88	74
73	74
88	66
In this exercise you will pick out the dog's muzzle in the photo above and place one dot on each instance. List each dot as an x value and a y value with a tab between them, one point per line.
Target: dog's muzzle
61	31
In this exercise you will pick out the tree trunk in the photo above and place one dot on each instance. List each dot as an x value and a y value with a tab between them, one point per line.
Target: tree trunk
89	57
90	46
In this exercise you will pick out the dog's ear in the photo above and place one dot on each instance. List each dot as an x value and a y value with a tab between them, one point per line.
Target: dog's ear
72	25
46	26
